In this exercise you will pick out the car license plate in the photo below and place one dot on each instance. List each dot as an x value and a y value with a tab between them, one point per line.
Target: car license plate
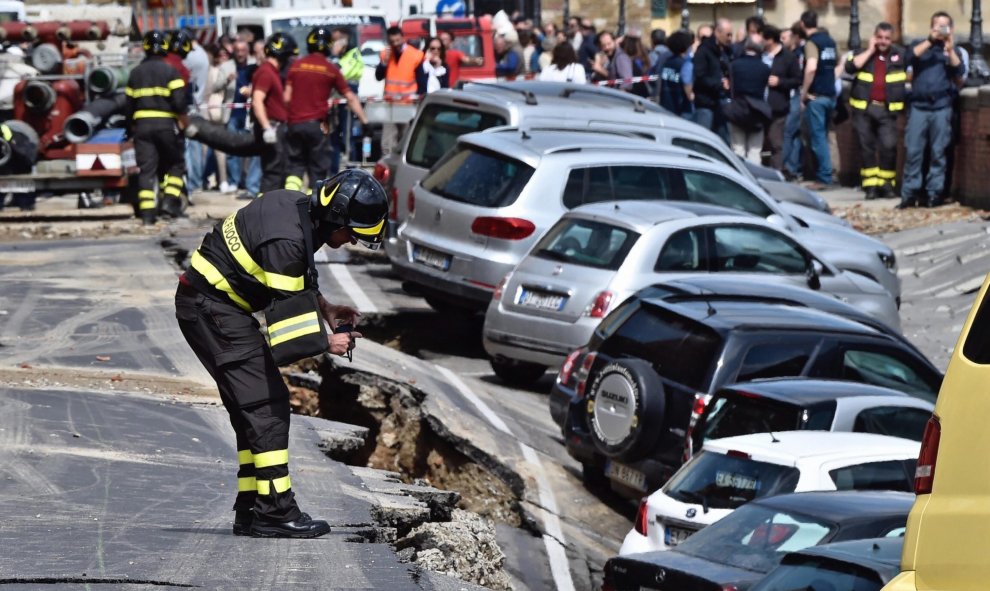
673	536
628	476
16	186
431	258
542	300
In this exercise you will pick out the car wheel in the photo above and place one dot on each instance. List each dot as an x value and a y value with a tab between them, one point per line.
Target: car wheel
626	404
517	373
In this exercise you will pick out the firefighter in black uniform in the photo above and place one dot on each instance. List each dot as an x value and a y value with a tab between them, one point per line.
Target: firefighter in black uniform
18	153
156	111
877	98
255	256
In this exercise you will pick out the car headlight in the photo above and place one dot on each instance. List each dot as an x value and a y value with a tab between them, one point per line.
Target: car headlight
889	260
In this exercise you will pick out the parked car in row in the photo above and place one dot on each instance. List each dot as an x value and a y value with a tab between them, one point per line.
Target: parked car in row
783	404
733	471
627	398
946	544
445	115
857	565
741	549
489	200
598	255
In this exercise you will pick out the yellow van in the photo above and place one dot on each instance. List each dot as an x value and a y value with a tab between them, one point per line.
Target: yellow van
947	542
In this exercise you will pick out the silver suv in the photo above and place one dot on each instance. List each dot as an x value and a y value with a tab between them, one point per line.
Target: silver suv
486	203
446	115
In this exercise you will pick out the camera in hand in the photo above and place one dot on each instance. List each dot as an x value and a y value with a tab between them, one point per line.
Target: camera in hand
345	328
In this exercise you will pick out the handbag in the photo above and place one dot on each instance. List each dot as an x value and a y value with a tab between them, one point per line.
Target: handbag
295	325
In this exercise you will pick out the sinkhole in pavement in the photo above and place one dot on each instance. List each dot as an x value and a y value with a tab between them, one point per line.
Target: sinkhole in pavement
403	439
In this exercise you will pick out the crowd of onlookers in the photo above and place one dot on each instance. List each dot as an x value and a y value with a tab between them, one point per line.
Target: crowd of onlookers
774	90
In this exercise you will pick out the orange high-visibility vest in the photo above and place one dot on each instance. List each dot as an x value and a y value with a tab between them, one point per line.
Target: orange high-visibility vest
400	77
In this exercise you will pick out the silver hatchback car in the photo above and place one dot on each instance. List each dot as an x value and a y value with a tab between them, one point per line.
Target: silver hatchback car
490	199
598	255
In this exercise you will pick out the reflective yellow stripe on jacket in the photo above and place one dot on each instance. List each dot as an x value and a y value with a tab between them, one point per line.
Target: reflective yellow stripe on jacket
150	114
146	92
216	279
292	328
243	258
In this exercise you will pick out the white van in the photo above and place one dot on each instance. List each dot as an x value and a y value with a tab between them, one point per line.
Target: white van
367	29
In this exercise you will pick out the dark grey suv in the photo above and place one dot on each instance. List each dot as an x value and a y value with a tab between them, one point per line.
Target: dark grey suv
627	399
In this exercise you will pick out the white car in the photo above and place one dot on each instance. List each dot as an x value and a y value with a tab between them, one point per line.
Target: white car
732	471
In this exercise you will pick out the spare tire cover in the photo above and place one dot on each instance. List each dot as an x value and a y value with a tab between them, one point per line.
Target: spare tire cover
626	406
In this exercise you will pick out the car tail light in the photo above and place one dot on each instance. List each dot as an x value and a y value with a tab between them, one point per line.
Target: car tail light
700	402
382	172
735	453
924	474
583	372
505	228
393	212
497	294
729	587
772	534
599	308
642	518
411	201
564	375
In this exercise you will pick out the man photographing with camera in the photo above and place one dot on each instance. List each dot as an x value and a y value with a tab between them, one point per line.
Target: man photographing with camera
937	72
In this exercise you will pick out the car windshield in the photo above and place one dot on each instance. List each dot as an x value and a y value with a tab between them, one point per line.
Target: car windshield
726	481
756	538
586	243
438	127
478	177
820	574
683	351
364	30
742	414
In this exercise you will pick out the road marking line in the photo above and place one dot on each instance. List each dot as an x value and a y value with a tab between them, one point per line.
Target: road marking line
343	276
553	539
478	403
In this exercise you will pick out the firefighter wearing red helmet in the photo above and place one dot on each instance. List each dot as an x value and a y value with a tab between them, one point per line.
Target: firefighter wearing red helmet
156	112
261	258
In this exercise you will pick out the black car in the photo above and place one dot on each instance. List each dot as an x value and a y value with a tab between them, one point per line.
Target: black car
741	548
788	404
860	565
626	400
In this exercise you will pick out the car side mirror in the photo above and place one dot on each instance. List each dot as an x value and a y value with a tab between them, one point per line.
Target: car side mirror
777	220
815	270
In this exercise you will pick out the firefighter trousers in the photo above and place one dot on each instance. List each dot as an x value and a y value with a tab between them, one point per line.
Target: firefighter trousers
228	342
273	157
876	129
160	151
310	153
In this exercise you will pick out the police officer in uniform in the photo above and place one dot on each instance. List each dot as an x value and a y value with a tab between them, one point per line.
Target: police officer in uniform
937	71
255	256
877	98
310	83
156	111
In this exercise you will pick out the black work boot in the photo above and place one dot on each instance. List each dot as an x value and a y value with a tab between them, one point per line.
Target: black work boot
871	193
242	522
148	217
303	527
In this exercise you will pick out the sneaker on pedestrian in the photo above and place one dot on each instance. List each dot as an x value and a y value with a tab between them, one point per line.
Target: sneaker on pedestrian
246	196
820	186
226	187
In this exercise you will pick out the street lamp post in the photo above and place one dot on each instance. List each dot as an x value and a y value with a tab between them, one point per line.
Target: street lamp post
855	42
978	71
622	18
685	18
759	8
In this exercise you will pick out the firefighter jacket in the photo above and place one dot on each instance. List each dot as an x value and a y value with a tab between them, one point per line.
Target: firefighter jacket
155	91
258	253
895	80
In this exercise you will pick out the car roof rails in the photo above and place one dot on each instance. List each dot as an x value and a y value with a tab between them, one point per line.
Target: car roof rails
530	97
639	105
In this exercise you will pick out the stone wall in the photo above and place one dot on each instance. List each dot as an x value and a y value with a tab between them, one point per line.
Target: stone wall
969	179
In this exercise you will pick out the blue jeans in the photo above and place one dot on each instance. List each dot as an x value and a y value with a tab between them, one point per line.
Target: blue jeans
252	184
194	165
931	130
817	114
792	137
709	119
